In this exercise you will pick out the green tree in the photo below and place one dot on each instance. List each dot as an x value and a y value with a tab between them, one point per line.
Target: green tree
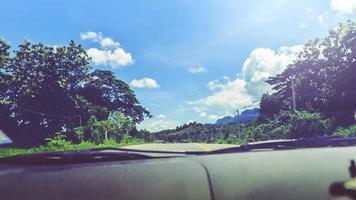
120	124
45	90
38	95
323	75
106	93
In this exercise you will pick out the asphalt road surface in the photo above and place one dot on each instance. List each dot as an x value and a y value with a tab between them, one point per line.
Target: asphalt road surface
179	146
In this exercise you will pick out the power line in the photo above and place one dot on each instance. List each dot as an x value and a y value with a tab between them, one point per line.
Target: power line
49	115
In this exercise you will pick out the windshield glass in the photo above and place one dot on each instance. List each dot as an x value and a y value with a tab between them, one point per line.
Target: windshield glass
143	75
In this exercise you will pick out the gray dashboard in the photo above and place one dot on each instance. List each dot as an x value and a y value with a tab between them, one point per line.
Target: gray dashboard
285	174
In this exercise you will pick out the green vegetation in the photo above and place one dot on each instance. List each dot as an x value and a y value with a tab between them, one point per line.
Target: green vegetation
325	83
44	90
48	92
346	132
59	143
283	125
51	99
324	79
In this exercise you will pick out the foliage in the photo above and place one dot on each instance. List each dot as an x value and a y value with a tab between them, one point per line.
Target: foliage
99	131
205	133
127	139
44	90
220	141
346	132
120	124
233	139
189	132
287	125
59	143
304	124
106	93
324	76
145	135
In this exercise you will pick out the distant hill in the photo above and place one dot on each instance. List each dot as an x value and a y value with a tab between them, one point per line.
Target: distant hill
208	133
193	131
245	116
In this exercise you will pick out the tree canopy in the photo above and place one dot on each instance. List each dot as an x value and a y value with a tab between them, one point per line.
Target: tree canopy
324	77
46	89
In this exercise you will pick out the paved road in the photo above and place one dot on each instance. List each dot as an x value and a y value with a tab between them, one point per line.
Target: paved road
179	146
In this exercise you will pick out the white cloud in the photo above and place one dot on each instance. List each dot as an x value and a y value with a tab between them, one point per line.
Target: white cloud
200	111
321	19
105	42
161	116
197	69
339	11
156	124
110	53
214	84
231	95
309	10
344	6
249	87
108	42
144	83
202	114
90	35
263	63
303	26
115	59
214	117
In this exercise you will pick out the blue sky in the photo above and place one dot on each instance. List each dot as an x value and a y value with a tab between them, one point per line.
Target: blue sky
187	60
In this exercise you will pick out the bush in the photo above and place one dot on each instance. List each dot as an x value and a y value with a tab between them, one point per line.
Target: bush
113	128
127	139
220	141
59	142
286	125
232	139
305	124
256	133
346	132
110	142
119	124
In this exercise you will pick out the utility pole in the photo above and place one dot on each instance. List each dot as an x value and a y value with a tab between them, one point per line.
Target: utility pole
80	120
238	123
293	96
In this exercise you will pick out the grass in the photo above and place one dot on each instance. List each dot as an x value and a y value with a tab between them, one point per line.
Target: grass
63	145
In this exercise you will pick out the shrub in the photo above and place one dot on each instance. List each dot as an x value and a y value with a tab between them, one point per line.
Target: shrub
220	141
286	125
232	139
305	124
110	142
127	139
346	132
59	142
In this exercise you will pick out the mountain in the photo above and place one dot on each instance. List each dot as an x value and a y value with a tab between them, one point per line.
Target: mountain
245	116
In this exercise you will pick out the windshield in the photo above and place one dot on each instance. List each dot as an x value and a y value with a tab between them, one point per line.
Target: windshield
146	75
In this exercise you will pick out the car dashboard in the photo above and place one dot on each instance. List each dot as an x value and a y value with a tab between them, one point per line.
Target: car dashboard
263	174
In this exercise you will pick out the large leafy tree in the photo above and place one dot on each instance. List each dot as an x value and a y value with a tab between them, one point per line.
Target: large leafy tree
107	93
324	77
46	89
